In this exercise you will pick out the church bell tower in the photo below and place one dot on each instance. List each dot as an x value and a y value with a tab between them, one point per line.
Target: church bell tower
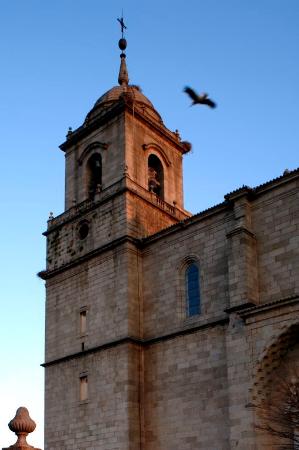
123	182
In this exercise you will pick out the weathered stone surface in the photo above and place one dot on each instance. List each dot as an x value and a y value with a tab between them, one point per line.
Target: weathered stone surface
158	379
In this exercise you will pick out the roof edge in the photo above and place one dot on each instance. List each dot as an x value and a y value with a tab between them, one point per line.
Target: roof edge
227	203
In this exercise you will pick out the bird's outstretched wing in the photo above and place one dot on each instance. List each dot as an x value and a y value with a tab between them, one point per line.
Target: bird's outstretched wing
209	103
194	96
202	99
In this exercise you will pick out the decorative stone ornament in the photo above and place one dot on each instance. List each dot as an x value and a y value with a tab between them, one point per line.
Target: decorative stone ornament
21	425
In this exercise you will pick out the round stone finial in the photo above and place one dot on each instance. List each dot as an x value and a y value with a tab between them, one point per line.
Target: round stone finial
22	425
122	43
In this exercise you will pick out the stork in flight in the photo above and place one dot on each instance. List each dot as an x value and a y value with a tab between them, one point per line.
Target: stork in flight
202	99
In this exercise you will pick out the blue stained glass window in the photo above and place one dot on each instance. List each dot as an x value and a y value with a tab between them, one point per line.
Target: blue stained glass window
193	290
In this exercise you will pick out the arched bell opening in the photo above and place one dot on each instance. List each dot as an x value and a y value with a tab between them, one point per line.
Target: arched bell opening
94	174
155	176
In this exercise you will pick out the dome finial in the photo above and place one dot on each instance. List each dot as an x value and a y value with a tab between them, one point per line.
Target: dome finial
123	77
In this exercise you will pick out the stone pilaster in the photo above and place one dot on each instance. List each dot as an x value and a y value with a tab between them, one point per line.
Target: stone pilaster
241	418
242	254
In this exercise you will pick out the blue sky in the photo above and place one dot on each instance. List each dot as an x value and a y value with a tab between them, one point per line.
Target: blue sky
58	57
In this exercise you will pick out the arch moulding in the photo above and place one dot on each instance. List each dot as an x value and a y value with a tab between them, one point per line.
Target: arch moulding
189	259
90	148
159	150
271	358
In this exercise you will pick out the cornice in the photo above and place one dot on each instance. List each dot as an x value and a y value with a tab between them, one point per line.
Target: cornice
138	341
47	274
217	209
121	107
84	130
124	184
259	309
250	193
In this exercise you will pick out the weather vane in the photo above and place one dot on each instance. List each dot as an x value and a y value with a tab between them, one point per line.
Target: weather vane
122	24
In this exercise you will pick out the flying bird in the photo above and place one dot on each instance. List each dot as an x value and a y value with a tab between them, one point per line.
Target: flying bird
202	99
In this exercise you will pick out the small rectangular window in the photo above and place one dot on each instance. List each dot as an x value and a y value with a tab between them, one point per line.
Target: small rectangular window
83	388
83	322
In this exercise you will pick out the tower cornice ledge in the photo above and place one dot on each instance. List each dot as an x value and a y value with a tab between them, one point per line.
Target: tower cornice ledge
248	313
47	274
120	107
125	184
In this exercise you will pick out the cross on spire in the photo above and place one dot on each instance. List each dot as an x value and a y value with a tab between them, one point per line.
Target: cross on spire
123	77
122	24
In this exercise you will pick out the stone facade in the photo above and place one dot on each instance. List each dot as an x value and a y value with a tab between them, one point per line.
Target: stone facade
157	378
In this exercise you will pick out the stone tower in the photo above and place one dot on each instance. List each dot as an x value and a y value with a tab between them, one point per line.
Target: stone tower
123	182
165	331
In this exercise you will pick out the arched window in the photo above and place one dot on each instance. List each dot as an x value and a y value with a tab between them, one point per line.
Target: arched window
155	176
94	174
192	290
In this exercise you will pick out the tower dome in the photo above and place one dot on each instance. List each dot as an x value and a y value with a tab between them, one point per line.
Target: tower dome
127	93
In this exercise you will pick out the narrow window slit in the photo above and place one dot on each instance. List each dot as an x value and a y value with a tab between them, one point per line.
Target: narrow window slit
83	388
83	317
192	290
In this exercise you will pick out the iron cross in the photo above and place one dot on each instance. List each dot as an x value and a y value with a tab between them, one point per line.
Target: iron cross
122	24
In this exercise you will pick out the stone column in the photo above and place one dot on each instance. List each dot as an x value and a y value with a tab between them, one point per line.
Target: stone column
21	425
